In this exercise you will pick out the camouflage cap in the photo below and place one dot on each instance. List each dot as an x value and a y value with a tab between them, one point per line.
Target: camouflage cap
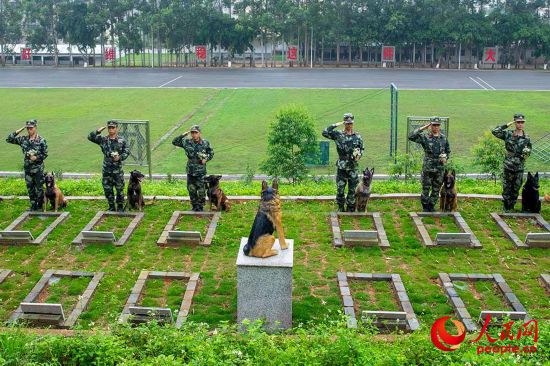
435	120
31	123
348	117
195	128
112	123
519	117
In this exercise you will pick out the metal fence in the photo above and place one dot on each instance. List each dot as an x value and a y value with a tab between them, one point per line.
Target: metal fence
414	122
138	136
541	148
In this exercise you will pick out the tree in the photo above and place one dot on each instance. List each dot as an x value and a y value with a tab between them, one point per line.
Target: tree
489	155
10	27
292	137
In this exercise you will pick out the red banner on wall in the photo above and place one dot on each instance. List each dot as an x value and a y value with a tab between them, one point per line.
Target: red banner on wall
110	54
292	53
200	51
25	53
388	53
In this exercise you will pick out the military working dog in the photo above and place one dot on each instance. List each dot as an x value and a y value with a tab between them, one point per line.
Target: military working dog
530	198
135	197
362	192
53	194
448	197
216	196
268	218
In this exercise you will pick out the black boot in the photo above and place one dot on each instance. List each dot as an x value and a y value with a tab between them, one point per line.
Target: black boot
351	208
111	207
341	207
120	207
425	207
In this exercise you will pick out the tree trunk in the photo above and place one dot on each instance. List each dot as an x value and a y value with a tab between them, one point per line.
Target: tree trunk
322	51
349	55
361	56
102	47
338	54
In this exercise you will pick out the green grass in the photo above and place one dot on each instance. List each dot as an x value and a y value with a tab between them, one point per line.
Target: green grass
236	121
315	289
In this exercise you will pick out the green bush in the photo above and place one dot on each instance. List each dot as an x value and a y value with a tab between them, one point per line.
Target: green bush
489	155
406	165
326	343
291	139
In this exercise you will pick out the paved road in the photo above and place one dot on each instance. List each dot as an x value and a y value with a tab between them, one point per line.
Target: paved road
275	78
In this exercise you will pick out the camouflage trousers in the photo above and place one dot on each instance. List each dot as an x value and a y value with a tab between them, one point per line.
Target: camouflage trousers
431	184
110	182
511	183
197	191
34	179
351	179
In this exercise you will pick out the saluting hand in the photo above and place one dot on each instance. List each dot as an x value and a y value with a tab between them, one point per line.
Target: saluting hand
425	126
338	123
19	130
510	123
101	129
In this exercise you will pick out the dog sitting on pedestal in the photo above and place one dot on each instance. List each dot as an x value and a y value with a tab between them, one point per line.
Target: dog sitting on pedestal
267	220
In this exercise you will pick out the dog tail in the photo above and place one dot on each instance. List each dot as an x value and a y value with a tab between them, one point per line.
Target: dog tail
64	204
226	205
547	197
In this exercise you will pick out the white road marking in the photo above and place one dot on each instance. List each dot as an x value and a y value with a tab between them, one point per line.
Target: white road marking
475	81
171	81
486	83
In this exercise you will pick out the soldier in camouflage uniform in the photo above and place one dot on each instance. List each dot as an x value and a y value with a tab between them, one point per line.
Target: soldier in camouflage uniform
115	151
349	146
35	151
518	148
436	153
198	153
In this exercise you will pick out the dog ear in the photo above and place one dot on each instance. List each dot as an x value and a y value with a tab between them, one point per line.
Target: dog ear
446	172
372	171
529	175
218	176
453	173
264	185
275	184
536	174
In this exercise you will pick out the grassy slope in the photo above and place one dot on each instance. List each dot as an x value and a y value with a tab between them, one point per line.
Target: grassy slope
315	292
236	121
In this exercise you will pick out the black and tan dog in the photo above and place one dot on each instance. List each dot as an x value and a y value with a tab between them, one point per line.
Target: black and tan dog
530	197
53	194
216	196
268	218
362	192
448	197
135	197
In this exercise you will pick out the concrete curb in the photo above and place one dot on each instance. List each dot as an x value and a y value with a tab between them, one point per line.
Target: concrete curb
237	177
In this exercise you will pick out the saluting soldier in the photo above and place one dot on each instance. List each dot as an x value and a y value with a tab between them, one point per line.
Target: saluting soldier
198	152
115	151
436	153
518	148
349	146
35	151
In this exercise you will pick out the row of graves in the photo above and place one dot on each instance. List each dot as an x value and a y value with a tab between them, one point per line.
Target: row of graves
264	285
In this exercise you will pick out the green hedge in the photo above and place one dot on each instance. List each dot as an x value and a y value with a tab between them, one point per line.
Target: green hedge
328	343
320	187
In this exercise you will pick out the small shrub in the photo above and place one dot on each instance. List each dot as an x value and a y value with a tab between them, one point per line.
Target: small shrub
489	155
291	139
407	165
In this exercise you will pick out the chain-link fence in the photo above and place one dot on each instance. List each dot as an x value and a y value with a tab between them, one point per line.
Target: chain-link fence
137	134
541	148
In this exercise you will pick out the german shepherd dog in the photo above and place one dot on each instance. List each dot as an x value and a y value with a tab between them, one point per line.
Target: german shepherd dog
215	194
448	200
362	192
530	201
53	194
268	218
135	197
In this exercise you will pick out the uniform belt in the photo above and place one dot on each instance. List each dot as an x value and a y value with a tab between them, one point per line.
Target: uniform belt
345	158
512	154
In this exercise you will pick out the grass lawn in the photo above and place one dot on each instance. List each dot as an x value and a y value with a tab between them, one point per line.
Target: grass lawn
236	121
315	288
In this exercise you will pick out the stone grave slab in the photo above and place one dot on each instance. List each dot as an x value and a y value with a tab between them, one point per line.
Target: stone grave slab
389	320
499	218
11	236
4	273
545	279
459	306
358	237
143	314
44	313
85	236
170	236
465	238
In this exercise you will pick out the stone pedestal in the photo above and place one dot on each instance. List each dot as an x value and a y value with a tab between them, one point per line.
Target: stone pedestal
264	287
